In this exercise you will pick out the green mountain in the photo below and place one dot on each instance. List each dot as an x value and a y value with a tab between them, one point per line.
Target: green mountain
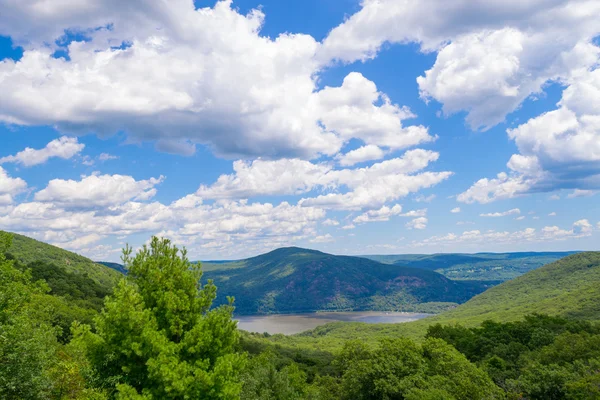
479	266
27	250
567	288
292	280
113	265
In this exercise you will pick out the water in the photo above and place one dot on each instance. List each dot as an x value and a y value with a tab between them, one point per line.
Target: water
288	324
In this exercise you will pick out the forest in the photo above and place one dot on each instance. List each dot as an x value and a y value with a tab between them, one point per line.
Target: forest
157	334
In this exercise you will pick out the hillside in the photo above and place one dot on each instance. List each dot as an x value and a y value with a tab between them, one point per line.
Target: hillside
479	266
28	250
299	280
568	288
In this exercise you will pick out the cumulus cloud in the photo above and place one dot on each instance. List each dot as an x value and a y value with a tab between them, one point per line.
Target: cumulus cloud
581	228
64	147
455	210
365	153
385	213
417	223
330	222
322	239
275	109
10	187
367	187
202	227
581	193
552	214
97	191
559	149
502	214
492	55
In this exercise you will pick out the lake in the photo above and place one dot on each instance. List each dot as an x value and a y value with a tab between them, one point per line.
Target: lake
288	324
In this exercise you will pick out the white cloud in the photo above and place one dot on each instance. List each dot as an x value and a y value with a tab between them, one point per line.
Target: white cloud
349	226
330	222
350	111
322	239
106	157
552	214
581	228
220	227
64	147
368	187
581	193
502	214
417	223
10	187
554	197
383	214
97	191
262	177
365	153
559	149
521	218
425	199
455	210
486	65
488	190
273	110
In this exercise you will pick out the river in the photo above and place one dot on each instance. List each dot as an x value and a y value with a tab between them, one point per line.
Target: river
288	324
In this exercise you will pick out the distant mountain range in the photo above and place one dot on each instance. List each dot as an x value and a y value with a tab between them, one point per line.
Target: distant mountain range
291	280
569	287
479	266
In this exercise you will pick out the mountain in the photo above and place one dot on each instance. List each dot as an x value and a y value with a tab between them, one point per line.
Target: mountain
479	266
27	250
569	287
292	280
113	265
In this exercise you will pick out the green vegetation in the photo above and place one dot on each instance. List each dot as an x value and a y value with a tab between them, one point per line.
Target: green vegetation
157	336
568	288
480	266
27	250
293	280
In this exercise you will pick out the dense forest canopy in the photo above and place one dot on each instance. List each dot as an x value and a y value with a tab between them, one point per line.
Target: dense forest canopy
157	335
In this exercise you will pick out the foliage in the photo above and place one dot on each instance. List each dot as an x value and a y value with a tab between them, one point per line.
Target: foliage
27	250
157	336
540	357
480	266
27	340
293	280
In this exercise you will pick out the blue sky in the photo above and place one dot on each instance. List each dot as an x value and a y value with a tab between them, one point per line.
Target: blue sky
350	127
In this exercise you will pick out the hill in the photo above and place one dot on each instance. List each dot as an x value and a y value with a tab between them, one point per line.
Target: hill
479	266
568	288
292	280
113	265
27	250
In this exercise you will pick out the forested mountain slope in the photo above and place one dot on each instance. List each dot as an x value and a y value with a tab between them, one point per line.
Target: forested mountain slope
299	280
27	250
567	288
478	266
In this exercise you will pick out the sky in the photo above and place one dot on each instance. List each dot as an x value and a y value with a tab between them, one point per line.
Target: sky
353	127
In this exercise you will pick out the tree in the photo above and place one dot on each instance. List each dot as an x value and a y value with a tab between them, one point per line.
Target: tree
402	369
27	339
157	336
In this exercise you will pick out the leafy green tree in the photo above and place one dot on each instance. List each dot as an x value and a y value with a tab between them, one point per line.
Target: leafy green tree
402	369
157	336
27	339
